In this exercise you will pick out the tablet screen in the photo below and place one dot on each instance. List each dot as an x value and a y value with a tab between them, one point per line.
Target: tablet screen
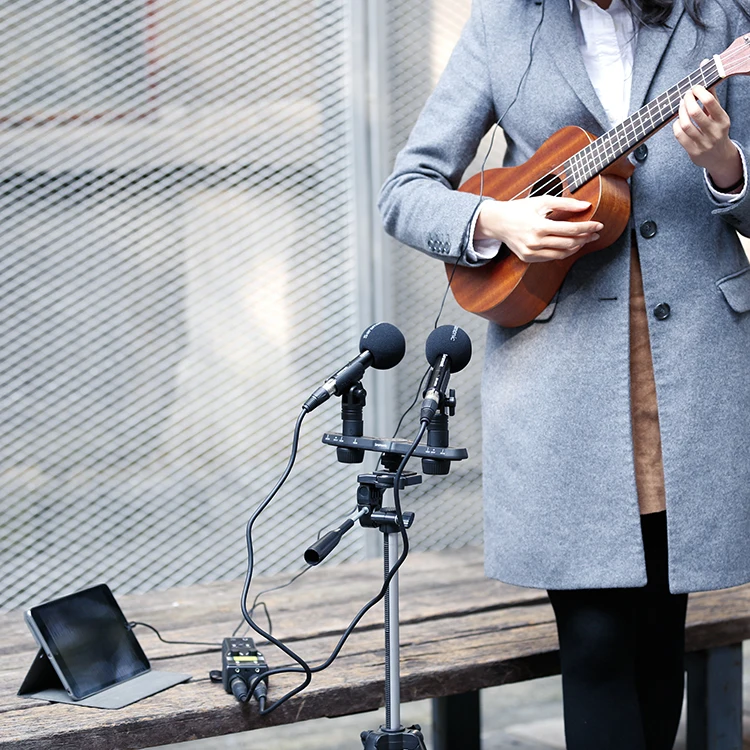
89	640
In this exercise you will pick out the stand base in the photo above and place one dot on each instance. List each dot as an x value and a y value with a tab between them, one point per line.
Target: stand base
406	739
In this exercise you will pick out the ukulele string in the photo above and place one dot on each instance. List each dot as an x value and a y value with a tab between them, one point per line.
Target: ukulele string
562	182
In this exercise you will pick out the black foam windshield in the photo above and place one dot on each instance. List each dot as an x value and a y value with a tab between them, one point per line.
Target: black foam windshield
88	636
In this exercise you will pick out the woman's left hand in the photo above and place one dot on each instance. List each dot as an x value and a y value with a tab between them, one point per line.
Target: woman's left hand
703	131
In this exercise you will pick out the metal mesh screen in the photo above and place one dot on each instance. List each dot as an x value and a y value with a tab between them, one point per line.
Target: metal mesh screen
173	176
179	270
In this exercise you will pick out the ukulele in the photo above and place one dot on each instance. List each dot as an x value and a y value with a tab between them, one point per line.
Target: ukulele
511	292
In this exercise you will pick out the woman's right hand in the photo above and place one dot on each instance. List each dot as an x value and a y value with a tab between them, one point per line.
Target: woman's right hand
523	226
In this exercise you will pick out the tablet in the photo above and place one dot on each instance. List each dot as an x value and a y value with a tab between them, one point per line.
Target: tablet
87	639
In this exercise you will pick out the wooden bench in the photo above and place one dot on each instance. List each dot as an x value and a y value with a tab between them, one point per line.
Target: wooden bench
460	632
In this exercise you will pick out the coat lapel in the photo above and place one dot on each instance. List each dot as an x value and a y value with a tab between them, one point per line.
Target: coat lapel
650	47
561	39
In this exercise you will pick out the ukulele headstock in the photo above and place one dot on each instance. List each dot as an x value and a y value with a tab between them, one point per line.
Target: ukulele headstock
735	59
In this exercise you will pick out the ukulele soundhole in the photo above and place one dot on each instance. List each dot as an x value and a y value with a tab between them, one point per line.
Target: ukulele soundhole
550	184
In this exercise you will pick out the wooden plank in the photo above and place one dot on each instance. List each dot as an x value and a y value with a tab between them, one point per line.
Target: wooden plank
509	634
440	658
495	638
432	635
354	684
186	614
325	600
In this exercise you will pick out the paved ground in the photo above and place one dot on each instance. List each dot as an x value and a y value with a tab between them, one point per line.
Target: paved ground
526	716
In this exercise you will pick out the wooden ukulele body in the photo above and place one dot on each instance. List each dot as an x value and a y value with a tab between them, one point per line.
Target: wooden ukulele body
509	291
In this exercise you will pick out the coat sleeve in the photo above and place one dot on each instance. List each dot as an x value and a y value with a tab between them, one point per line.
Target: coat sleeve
419	203
737	213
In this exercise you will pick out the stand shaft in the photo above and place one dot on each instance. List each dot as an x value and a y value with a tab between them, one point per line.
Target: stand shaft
392	645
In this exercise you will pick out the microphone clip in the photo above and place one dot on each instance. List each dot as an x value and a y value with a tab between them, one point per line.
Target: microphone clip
353	400
437	435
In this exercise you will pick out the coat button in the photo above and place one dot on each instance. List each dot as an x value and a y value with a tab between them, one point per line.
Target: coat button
662	311
648	229
641	152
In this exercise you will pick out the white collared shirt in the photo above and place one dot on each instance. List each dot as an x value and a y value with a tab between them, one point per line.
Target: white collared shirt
606	39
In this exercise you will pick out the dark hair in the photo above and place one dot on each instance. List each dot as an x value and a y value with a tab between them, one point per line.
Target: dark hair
656	12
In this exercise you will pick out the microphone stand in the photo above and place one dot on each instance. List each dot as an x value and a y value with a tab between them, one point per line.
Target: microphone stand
392	735
371	514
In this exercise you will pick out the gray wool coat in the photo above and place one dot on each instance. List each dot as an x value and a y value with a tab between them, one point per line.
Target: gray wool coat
561	509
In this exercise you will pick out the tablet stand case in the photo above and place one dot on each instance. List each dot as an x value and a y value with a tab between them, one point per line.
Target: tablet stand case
43	682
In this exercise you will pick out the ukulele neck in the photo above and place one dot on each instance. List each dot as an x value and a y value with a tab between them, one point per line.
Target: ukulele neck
608	148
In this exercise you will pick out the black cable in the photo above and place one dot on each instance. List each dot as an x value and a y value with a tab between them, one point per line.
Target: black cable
133	624
304	667
366	607
419	392
250	563
256	603
239	689
252	610
247	615
420	389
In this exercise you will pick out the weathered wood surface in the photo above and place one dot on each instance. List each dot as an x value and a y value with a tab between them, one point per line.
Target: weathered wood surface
459	632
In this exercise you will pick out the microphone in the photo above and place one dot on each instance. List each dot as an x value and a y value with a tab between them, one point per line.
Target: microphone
382	346
353	401
448	349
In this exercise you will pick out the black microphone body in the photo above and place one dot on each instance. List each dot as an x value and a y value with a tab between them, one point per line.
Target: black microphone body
353	401
448	349
441	371
382	346
351	373
437	437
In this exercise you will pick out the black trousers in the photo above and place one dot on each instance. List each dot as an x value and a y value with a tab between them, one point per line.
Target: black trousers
622	657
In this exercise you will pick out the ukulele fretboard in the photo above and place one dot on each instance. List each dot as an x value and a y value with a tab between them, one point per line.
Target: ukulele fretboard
606	149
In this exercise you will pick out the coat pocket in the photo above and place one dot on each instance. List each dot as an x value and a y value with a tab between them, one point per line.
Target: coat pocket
736	290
